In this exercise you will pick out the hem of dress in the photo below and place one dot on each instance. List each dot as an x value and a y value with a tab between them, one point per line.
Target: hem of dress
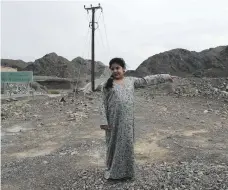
108	177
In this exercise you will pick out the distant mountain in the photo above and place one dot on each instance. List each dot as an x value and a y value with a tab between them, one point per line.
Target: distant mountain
53	65
50	65
83	67
18	64
212	62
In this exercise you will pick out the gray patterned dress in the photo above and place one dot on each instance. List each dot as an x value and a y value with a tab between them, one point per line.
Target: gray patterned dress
117	111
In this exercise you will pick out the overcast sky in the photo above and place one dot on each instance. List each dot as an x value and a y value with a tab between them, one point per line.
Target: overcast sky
135	29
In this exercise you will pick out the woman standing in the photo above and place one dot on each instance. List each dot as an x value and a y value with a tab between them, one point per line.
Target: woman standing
117	111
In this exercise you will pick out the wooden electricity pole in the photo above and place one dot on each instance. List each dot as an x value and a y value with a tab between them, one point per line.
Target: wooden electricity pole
92	26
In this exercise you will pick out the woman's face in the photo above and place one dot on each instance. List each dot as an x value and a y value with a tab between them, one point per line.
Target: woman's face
117	71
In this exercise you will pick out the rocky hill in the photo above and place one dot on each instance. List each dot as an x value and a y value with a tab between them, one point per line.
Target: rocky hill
50	65
17	64
57	66
82	67
212	62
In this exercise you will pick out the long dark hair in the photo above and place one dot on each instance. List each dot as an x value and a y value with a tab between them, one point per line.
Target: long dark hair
120	62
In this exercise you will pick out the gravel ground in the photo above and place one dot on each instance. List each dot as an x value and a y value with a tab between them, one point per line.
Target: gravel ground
181	143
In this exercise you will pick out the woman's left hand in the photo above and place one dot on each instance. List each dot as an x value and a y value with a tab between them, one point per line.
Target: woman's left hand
172	78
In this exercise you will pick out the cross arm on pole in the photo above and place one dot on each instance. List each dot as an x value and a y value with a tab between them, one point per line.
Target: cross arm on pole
91	7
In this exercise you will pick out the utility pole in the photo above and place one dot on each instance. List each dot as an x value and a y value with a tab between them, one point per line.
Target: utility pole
92	26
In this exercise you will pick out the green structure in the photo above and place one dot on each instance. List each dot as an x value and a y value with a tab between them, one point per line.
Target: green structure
16	83
17	77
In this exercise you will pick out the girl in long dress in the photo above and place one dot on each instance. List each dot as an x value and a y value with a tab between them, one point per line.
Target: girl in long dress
117	118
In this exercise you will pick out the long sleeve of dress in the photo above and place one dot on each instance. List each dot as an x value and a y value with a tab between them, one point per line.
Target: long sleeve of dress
151	80
103	108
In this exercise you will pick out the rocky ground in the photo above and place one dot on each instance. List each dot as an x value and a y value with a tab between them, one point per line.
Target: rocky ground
181	142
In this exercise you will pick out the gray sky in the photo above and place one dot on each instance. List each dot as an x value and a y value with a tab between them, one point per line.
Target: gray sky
135	29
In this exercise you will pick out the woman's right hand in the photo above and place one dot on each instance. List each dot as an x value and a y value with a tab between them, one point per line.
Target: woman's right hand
105	127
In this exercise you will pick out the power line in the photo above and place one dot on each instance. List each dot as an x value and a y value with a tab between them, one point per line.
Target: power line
99	17
100	34
89	52
88	17
88	55
83	53
105	31
87	40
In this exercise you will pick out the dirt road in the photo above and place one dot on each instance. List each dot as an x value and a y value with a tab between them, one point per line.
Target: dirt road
181	143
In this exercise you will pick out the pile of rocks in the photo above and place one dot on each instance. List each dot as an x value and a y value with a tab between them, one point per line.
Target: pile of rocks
15	88
213	88
34	109
216	88
11	89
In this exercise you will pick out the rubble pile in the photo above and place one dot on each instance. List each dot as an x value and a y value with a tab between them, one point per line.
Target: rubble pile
11	89
33	109
216	88
213	88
